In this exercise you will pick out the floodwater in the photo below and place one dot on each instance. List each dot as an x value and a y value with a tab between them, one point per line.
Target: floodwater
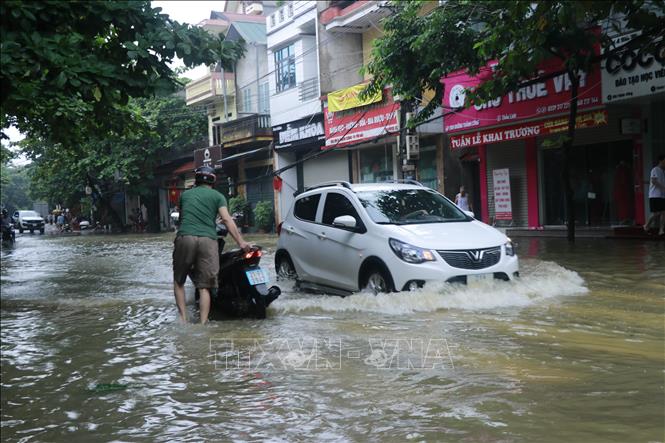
574	352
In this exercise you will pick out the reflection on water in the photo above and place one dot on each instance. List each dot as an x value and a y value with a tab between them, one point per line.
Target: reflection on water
572	352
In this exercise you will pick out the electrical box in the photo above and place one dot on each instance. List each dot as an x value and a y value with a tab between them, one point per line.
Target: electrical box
412	146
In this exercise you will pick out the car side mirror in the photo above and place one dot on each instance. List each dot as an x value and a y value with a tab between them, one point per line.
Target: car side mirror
470	214
345	221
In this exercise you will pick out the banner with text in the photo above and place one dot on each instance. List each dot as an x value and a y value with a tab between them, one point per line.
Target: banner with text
368	122
347	98
544	99
503	206
635	73
527	130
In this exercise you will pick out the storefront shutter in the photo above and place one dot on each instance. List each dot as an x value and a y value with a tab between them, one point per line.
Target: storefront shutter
509	155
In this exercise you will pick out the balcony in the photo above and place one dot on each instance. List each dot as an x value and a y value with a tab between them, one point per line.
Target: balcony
308	89
354	17
248	129
209	88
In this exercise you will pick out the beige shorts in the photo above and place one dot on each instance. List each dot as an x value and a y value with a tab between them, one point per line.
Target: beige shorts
197	257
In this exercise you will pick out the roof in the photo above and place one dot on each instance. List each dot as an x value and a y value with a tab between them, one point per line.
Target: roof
233	17
250	32
187	167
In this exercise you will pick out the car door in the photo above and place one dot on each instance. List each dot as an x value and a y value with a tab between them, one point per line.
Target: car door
300	231
341	249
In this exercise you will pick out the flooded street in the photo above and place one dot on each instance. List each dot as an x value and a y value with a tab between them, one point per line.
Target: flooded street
574	351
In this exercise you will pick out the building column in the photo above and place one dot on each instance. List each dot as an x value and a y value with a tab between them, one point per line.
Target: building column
532	182
484	208
638	180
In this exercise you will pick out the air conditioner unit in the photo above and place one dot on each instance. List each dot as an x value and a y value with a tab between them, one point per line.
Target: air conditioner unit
254	8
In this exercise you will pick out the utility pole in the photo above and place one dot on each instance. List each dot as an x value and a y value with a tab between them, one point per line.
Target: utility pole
407	137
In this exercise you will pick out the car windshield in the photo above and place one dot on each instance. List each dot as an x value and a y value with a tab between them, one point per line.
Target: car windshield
410	206
29	214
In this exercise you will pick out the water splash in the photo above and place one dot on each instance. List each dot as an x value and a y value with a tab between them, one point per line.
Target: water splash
540	281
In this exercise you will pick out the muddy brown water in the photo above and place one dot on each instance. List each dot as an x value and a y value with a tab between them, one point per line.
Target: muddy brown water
572	352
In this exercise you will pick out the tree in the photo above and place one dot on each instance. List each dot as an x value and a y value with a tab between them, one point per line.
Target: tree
15	186
418	49
69	68
123	160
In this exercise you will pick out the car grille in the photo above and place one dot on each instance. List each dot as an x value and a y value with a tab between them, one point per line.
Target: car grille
472	258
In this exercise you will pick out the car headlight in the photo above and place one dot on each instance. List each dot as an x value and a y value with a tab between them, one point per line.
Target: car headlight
410	253
510	249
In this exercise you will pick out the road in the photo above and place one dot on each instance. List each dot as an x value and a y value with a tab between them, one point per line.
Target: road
91	351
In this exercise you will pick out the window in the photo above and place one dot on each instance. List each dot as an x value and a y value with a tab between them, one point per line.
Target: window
336	205
217	135
247	99
264	98
272	20
285	68
305	208
290	9
281	15
410	206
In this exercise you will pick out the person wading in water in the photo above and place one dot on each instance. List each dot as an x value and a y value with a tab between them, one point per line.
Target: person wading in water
195	250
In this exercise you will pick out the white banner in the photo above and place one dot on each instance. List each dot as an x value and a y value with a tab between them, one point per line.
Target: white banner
503	207
630	74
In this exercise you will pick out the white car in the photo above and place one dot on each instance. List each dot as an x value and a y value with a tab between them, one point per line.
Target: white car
28	220
341	237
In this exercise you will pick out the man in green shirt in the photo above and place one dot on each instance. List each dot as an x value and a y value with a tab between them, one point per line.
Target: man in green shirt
195	249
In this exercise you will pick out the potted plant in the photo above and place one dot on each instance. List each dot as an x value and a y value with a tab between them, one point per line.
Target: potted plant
263	217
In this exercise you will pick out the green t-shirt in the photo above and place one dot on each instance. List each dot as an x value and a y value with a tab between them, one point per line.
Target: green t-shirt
199	208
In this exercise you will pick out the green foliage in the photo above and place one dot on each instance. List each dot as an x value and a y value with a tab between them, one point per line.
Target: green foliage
417	49
263	217
237	204
15	186
68	69
161	126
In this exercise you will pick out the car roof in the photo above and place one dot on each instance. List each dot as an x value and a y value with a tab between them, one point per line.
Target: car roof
360	187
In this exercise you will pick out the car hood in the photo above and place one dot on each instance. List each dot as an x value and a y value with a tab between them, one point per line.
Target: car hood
32	219
453	235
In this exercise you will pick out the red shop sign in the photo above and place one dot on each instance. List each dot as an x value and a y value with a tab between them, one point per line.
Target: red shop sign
527	130
548	98
368	122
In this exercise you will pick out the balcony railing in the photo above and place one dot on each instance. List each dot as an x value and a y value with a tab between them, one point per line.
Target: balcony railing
246	129
208	88
308	89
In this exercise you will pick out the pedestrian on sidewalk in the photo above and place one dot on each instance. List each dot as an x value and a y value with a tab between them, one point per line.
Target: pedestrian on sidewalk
462	200
657	196
195	251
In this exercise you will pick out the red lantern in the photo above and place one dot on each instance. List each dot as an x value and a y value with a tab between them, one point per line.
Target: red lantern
277	183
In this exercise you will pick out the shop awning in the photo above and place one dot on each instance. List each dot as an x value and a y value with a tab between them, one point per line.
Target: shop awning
245	154
187	167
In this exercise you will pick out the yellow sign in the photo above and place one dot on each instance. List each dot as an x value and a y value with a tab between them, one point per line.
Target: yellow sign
347	98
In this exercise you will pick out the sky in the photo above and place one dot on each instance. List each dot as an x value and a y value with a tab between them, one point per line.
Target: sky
191	12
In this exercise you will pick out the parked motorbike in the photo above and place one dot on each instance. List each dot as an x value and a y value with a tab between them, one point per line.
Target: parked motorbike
8	234
243	285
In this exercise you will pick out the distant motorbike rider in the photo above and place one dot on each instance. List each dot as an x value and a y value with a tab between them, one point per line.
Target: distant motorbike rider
6	223
195	249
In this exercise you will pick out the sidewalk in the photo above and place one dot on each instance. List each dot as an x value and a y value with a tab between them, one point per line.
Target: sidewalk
608	232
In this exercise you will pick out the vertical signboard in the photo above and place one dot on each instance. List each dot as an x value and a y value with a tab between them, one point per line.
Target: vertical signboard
502	201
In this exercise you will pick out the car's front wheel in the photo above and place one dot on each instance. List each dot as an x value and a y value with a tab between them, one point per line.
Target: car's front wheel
378	281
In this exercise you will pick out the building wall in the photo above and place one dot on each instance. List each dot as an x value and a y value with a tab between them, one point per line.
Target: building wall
340	57
333	166
251	71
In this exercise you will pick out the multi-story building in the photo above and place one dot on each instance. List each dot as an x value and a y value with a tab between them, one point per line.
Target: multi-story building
294	94
237	104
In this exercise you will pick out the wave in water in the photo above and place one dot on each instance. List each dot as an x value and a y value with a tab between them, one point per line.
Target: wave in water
540	281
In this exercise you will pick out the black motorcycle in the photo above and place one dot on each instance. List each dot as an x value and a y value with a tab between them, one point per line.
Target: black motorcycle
8	234
243	285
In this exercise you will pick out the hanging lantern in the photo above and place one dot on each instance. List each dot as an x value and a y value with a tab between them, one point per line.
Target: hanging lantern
277	183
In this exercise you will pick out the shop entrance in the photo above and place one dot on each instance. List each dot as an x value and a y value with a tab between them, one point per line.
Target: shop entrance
601	175
471	181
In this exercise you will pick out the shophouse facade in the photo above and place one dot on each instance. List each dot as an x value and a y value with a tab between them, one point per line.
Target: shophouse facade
508	151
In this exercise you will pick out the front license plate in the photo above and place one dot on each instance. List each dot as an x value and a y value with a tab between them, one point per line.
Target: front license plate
476	279
257	276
